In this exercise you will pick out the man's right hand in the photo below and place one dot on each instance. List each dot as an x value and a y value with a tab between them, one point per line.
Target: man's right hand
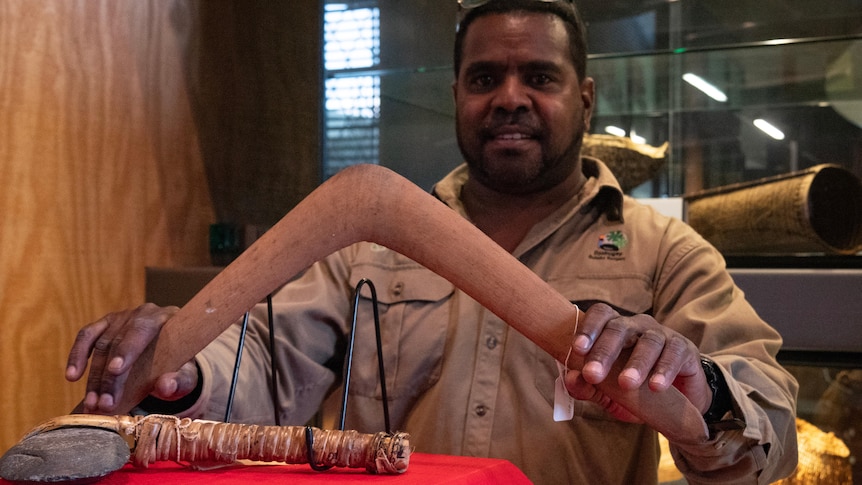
114	342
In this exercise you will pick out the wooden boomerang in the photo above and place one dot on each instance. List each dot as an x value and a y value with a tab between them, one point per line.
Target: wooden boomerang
371	203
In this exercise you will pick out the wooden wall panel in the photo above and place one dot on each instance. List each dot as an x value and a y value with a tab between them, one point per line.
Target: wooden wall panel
118	121
101	176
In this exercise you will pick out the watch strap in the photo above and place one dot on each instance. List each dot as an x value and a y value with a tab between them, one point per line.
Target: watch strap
719	416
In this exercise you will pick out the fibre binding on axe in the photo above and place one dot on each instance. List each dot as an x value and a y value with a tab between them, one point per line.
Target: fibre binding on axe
52	451
371	203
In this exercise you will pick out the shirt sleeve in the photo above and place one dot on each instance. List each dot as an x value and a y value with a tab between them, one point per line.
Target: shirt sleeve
697	297
310	323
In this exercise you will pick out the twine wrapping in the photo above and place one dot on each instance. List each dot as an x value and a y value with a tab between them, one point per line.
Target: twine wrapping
170	438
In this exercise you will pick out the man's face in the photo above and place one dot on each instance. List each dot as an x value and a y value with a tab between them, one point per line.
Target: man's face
521	110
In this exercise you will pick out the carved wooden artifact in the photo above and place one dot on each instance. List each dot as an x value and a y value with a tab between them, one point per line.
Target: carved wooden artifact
371	203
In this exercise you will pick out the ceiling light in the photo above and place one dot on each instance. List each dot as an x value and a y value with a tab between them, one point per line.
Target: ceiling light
769	129
615	130
637	138
707	88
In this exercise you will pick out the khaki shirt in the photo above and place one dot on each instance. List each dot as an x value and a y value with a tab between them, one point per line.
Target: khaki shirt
462	382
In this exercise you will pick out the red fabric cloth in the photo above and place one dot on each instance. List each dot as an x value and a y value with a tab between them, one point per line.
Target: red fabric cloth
424	469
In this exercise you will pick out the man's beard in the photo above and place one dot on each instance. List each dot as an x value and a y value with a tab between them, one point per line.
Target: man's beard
518	173
508	172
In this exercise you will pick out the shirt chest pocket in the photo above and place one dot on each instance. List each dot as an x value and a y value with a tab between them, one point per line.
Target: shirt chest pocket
413	307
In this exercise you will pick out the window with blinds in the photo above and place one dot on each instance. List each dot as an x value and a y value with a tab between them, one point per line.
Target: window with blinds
351	56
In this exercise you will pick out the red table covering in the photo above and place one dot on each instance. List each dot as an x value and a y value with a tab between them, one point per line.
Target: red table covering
424	469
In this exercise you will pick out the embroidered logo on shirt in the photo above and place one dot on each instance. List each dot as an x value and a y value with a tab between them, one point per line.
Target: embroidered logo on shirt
613	241
610	246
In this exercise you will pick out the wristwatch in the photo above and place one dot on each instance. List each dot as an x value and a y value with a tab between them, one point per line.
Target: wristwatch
719	416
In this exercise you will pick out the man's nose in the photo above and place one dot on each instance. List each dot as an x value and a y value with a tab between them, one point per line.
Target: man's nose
511	95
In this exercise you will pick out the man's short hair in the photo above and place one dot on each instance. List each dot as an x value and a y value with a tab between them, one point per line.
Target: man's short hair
564	9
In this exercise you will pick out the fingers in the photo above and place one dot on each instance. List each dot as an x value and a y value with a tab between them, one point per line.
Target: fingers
92	341
645	354
652	353
580	389
144	324
675	359
110	392
601	337
81	348
112	344
636	350
98	349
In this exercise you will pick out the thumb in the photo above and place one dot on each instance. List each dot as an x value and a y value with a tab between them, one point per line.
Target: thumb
176	385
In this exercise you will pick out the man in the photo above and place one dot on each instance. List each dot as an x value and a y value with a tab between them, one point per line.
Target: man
459	379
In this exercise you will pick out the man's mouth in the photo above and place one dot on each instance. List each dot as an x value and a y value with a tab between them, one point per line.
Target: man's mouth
512	136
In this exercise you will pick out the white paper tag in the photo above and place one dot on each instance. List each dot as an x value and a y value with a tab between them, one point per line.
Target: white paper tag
564	404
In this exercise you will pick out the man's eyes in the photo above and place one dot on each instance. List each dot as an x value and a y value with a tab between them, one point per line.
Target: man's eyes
486	81
540	79
483	81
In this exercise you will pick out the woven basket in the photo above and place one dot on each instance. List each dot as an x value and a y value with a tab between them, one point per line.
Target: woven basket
823	458
814	210
632	163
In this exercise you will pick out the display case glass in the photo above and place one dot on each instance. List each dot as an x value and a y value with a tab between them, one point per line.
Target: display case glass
785	95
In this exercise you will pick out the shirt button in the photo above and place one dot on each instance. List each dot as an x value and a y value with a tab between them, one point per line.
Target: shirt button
491	342
481	410
397	288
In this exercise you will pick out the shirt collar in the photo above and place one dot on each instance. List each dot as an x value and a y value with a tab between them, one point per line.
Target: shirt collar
601	188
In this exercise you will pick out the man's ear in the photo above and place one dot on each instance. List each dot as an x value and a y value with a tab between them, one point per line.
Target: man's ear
588	98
